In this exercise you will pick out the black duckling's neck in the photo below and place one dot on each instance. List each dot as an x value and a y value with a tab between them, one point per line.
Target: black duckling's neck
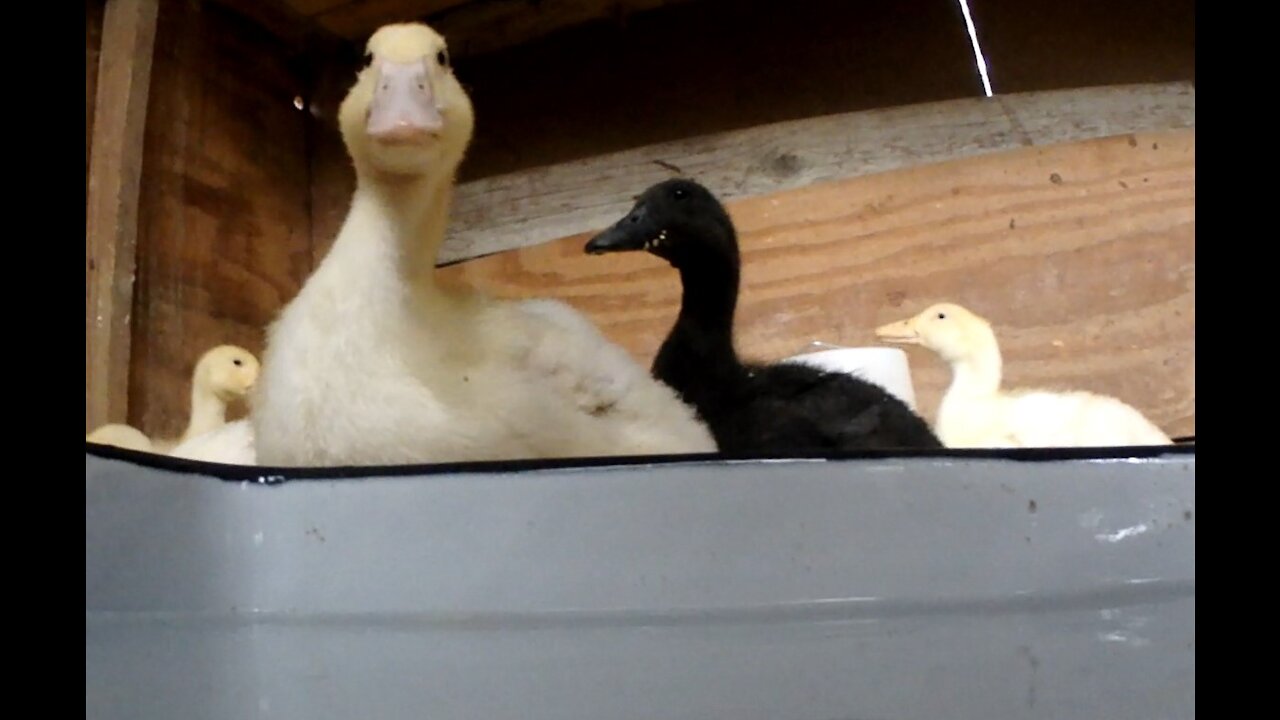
698	357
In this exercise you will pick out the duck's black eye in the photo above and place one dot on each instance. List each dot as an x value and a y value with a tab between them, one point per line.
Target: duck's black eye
442	58
942	316
238	362
633	219
679	193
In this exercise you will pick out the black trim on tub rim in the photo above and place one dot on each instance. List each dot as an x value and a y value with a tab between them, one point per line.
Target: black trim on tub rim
271	475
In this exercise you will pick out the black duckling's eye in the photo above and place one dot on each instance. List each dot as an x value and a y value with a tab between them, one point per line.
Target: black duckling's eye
942	316
237	362
442	58
680	193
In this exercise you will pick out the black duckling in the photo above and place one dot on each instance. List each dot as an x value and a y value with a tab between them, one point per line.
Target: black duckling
753	406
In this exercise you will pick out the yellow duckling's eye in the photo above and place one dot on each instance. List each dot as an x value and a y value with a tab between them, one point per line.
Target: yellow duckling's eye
237	362
942	316
442	58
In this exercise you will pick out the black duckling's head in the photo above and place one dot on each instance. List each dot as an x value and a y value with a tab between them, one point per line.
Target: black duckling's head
677	220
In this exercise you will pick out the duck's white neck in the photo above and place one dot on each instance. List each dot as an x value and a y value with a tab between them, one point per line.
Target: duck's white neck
208	411
978	371
399	224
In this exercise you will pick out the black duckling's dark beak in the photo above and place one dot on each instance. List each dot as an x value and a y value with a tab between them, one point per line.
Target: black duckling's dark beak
618	238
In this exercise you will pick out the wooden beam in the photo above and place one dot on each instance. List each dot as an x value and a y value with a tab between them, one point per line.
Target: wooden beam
115	168
534	206
93	41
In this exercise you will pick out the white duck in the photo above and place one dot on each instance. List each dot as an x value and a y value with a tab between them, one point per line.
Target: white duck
222	375
975	412
374	363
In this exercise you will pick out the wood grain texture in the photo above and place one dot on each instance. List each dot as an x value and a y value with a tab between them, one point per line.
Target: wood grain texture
225	237
534	206
115	163
1082	255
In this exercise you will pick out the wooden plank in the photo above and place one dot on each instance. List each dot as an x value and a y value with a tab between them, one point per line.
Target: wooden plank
224	230
124	75
1082	255
534	206
93	44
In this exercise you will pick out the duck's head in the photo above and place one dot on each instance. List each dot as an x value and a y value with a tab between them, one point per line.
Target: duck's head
406	114
227	371
677	220
946	328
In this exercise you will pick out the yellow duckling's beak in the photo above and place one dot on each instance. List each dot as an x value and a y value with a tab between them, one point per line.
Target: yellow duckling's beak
903	331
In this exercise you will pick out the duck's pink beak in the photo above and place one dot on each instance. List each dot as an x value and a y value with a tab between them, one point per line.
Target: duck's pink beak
404	106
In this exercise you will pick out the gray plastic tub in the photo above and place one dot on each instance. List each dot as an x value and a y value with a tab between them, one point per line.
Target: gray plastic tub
959	585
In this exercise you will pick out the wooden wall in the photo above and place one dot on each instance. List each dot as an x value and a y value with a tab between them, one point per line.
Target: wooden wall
224	223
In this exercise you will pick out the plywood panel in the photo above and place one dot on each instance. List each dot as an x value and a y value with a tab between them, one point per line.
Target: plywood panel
225	228
1082	255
